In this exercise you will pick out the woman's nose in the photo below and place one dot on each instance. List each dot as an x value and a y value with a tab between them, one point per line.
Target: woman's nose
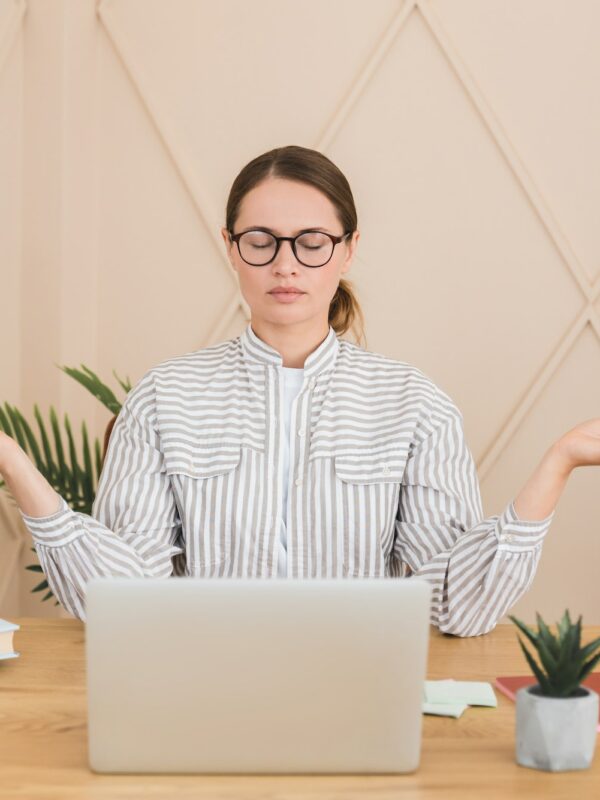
285	257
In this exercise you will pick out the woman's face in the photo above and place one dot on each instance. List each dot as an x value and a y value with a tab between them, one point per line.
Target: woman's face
286	207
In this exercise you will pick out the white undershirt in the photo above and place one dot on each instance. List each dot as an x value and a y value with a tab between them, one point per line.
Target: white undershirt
292	383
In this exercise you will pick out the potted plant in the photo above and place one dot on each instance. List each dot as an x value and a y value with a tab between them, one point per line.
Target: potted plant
73	479
556	718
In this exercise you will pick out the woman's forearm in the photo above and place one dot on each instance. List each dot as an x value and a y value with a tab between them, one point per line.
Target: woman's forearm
31	491
539	496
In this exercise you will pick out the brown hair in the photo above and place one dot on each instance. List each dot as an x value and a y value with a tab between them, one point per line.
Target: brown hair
307	166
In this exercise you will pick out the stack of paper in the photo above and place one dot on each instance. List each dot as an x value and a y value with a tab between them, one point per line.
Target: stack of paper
449	698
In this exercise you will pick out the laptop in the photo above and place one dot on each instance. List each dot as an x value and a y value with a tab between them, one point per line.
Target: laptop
247	675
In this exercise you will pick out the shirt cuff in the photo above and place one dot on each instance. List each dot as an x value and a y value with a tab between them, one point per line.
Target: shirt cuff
516	534
58	528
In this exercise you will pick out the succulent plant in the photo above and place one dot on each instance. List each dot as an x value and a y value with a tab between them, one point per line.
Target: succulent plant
564	662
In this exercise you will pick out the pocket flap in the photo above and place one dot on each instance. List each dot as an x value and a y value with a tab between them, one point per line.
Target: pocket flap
370	467
205	462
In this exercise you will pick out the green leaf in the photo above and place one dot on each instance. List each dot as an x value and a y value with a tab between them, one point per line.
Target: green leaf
589	648
526	630
541	678
75	468
564	625
40	586
548	637
93	384
51	470
566	637
566	676
87	475
575	640
58	445
546	657
98	458
588	667
16	426
48	596
125	385
34	568
5	424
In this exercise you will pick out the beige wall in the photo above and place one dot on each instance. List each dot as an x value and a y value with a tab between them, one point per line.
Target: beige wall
469	132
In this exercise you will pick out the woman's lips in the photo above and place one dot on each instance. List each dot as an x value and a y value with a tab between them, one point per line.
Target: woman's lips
286	297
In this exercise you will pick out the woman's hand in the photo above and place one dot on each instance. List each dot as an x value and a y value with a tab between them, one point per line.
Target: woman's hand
32	492
7	446
580	447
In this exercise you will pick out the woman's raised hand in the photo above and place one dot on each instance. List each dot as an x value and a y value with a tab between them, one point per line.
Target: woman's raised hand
31	491
581	445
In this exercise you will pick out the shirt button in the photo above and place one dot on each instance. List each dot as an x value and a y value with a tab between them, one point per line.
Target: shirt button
508	537
386	469
301	432
298	481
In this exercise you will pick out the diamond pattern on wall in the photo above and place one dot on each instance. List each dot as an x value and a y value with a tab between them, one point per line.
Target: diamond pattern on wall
589	315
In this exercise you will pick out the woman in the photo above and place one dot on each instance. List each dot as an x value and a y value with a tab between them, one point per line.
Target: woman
288	451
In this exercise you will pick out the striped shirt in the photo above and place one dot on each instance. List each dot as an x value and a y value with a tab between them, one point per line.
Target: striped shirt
381	483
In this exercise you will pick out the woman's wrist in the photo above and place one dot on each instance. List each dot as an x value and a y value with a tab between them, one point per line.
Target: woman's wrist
34	496
560	456
540	495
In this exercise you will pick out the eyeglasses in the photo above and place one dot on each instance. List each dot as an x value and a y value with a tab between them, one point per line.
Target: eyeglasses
311	248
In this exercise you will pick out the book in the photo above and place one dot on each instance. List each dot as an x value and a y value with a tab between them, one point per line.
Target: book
7	630
510	684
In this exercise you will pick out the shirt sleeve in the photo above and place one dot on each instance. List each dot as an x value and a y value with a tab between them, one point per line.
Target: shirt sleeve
478	567
134	521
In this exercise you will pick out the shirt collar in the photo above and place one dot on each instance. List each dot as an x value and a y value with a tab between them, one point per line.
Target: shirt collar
258	351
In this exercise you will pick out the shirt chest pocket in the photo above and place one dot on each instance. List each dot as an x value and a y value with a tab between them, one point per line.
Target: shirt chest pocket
367	490
205	483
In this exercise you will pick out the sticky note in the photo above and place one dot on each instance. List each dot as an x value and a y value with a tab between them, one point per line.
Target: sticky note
472	693
444	709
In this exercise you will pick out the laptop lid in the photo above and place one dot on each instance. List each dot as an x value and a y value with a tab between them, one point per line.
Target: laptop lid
221	675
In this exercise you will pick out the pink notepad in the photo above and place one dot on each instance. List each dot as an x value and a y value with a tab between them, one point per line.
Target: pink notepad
510	684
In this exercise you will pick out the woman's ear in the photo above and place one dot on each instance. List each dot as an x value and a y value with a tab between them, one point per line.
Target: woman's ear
228	246
351	244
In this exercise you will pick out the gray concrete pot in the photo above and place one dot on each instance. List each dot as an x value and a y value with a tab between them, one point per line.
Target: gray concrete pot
556	733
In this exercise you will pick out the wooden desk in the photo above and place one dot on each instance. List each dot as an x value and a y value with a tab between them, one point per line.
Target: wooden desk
43	735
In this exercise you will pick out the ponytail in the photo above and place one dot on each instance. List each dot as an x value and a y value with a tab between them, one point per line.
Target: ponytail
346	314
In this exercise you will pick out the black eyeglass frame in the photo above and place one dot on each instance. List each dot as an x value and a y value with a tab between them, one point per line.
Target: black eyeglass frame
235	237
